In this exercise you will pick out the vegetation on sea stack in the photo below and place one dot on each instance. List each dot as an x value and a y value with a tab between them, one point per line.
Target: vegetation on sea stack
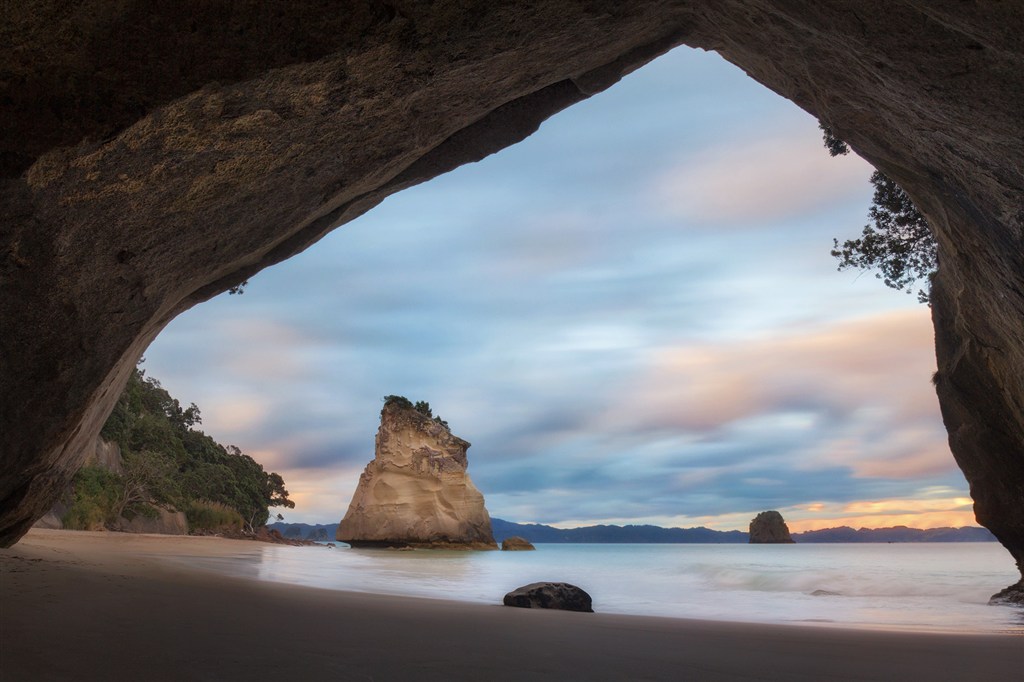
421	406
168	461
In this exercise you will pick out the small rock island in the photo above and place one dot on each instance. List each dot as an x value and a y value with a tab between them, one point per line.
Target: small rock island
769	527
416	492
516	544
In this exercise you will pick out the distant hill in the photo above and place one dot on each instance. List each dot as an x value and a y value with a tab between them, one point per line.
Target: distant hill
613	534
319	532
896	534
538	533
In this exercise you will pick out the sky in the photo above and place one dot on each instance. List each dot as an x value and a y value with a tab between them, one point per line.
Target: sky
632	315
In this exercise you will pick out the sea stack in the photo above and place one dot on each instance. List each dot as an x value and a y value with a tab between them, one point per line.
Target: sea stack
769	527
416	492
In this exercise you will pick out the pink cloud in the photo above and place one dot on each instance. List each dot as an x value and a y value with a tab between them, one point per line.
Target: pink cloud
759	179
868	378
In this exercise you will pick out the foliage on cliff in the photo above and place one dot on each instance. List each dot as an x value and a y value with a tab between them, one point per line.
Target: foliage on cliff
167	460
898	243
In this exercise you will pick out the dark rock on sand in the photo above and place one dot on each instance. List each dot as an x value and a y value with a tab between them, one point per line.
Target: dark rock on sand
516	544
561	596
768	527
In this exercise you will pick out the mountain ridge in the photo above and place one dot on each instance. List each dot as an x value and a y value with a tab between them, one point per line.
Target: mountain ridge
650	534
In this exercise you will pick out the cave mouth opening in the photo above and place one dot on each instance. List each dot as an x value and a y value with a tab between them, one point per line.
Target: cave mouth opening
645	280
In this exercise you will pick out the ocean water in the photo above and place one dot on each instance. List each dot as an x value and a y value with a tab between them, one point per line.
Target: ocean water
941	587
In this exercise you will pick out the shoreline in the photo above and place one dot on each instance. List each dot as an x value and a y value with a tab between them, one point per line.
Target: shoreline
85	606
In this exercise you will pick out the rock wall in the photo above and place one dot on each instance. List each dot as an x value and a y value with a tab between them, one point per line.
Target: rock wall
166	522
140	140
416	492
105	454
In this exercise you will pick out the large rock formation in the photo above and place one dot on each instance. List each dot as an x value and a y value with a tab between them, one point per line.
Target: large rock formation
416	492
141	140
769	527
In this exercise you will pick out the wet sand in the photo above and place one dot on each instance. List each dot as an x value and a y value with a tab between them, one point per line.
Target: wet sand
111	606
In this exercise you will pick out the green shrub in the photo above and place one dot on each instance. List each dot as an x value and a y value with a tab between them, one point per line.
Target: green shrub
206	516
96	492
170	462
399	400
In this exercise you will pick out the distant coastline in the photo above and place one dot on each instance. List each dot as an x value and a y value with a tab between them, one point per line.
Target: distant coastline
646	534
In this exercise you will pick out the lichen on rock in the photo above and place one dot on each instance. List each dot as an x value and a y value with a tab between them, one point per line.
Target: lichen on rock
416	492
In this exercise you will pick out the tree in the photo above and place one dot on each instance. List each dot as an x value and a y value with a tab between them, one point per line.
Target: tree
276	494
255	489
399	400
148	477
899	243
168	460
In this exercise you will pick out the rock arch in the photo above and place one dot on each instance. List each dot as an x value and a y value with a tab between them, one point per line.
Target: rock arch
140	139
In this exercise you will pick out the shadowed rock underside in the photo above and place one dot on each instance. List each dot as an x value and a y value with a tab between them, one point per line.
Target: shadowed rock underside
141	140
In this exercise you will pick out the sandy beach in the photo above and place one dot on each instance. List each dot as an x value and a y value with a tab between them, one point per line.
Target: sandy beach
110	606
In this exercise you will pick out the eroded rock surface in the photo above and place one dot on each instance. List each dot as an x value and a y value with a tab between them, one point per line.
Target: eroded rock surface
416	492
140	143
769	527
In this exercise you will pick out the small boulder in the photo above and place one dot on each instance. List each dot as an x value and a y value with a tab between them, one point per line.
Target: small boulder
516	544
769	527
561	596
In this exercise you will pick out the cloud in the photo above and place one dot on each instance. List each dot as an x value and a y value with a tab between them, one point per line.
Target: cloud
238	413
935	507
931	508
758	180
321	495
856	393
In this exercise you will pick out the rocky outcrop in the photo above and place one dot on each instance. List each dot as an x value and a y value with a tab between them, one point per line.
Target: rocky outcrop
163	522
1014	594
51	520
562	596
516	544
769	527
105	454
140	141
416	492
